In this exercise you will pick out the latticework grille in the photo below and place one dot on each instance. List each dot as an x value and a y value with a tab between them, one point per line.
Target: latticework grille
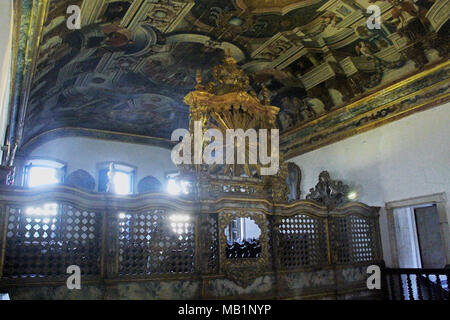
301	242
340	250
362	240
43	241
154	242
211	242
352	239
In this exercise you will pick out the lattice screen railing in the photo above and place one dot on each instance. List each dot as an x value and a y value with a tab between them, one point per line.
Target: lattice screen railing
209	242
42	241
153	242
302	241
353	239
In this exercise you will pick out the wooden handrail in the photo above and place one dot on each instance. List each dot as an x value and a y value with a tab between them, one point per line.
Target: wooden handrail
417	271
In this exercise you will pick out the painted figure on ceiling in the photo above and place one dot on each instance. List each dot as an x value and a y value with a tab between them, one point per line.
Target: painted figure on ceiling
329	19
404	10
363	49
115	10
117	36
376	37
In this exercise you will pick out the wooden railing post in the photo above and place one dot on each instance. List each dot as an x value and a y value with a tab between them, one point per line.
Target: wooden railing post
377	235
276	265
111	245
3	228
328	240
103	252
384	282
201	253
419	287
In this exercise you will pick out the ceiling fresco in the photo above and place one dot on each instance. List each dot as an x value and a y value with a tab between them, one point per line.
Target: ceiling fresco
130	65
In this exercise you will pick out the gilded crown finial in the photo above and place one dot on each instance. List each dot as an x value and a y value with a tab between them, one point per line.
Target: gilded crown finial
229	57
199	80
265	93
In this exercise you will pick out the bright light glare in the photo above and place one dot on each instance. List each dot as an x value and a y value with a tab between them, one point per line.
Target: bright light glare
4	296
42	176
48	209
122	183
179	218
180	223
173	187
122	215
352	195
185	187
176	187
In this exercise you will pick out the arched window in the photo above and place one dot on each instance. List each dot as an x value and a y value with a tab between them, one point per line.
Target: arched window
81	179
42	172
123	178
149	184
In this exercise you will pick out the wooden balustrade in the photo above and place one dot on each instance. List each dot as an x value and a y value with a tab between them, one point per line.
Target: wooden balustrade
416	284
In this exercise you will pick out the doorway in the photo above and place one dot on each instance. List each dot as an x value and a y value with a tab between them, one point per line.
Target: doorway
418	237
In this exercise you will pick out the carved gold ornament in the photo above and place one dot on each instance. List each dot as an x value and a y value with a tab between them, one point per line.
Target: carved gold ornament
228	102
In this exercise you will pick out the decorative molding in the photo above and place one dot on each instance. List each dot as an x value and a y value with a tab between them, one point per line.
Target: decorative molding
438	14
433	198
29	18
163	16
278	49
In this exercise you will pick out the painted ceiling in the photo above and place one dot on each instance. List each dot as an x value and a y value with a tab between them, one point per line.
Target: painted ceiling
130	65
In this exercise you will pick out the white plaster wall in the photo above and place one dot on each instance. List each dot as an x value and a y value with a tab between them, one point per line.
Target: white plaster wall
5	64
406	158
86	153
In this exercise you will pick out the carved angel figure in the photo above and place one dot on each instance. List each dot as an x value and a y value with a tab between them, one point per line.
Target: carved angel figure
330	193
110	174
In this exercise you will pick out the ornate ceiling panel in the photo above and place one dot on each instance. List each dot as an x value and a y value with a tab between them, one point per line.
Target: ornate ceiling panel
128	67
